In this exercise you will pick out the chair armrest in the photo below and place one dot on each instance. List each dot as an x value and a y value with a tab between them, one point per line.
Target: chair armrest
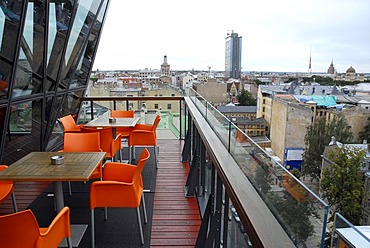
142	137
143	127
114	194
115	171
57	230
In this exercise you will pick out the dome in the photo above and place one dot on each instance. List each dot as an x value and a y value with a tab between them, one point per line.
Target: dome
351	70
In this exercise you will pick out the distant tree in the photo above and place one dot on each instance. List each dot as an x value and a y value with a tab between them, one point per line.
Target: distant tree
342	184
318	136
246	98
263	178
294	216
315	141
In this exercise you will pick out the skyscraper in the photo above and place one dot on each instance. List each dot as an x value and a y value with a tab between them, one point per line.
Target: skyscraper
233	55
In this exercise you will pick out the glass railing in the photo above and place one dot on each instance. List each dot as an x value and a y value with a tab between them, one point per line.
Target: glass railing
347	235
170	126
301	213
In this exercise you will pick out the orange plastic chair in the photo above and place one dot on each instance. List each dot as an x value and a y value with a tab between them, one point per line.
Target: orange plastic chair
83	142
108	144
124	131
69	124
144	135
122	186
22	230
7	189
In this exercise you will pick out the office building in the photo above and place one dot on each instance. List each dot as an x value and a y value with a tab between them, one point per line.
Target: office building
233	55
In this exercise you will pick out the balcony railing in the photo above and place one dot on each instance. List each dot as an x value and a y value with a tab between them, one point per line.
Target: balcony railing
245	196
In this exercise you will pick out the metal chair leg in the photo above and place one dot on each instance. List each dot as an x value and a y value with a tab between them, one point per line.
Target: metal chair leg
92	229
140	225
144	209
14	202
69	188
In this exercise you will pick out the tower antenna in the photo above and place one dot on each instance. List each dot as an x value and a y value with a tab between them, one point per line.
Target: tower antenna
309	64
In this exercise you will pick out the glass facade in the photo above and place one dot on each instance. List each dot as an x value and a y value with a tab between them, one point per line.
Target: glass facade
47	49
233	55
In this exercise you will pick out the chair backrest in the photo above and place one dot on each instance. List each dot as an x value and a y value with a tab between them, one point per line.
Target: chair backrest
106	137
6	187
82	142
140	164
69	124
19	230
122	113
156	122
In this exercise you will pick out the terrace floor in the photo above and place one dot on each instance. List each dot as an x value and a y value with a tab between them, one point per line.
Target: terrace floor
175	218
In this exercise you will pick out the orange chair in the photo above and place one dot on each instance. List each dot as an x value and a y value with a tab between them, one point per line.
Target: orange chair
22	230
69	124
7	189
124	131
144	135
83	142
108	144
122	186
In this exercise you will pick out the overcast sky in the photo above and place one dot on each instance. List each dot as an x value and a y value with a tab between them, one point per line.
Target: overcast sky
278	35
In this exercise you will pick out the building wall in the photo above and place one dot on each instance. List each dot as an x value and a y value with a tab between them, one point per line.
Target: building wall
288	126
214	92
356	118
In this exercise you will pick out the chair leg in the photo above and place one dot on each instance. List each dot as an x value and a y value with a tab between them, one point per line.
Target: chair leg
69	242
144	209
92	229
130	155
105	213
140	225
120	155
155	157
69	188
14	202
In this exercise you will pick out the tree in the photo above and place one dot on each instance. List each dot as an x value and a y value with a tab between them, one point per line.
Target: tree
342	183
246	98
318	135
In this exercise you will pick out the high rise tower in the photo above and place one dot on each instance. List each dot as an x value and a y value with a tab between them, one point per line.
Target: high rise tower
309	65
233	55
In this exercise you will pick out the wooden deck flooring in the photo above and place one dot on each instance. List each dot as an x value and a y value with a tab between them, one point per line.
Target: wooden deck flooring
176	219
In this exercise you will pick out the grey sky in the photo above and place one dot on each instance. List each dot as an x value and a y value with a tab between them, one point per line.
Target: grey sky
277	35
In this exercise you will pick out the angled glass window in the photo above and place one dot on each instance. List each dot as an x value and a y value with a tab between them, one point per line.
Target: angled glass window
9	28
29	73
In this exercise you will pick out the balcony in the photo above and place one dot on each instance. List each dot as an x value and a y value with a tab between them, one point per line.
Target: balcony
214	188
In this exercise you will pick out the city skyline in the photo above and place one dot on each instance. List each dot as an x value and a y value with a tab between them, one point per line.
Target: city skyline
277	36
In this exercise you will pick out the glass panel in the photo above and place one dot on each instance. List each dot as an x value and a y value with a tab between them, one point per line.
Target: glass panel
348	235
24	127
30	61
286	196
9	28
78	41
84	66
59	21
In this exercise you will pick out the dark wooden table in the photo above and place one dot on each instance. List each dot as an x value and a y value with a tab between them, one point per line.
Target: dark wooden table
37	166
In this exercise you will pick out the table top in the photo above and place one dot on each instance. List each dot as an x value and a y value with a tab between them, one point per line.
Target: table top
36	166
103	121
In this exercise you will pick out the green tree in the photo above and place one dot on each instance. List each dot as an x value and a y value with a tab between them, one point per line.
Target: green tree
342	183
246	98
294	216
318	136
